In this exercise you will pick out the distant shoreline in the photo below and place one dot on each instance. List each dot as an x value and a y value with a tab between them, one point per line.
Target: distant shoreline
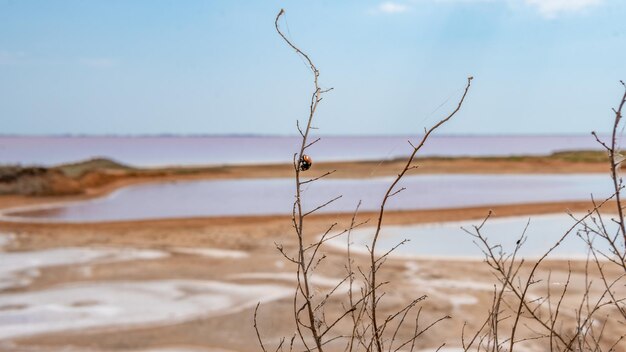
90	176
99	177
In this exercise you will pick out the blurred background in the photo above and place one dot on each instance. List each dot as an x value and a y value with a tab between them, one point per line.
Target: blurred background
146	151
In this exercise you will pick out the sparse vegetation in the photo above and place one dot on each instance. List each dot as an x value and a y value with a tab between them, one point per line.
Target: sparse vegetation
316	324
78	169
519	318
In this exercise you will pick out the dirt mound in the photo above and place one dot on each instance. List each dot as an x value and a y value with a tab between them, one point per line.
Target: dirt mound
64	179
36	181
91	165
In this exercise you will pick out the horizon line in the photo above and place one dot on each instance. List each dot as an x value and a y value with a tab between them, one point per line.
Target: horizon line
261	135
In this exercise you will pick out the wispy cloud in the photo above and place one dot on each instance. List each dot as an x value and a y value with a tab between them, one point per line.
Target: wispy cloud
389	7
553	8
98	62
546	8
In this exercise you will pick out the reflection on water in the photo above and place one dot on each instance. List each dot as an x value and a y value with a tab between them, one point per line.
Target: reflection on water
449	240
275	196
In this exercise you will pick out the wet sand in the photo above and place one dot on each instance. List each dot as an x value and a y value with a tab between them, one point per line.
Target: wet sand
249	262
206	264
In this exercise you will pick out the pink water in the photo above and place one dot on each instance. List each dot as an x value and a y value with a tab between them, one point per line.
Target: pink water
275	196
158	151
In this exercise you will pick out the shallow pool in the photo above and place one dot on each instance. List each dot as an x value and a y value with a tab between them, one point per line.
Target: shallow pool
448	240
275	196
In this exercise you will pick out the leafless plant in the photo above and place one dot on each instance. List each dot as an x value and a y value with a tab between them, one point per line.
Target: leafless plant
593	319
367	331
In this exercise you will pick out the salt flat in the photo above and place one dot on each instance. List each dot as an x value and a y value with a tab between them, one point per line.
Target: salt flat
18	269
119	304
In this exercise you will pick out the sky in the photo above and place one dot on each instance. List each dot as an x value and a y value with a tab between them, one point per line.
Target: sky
136	67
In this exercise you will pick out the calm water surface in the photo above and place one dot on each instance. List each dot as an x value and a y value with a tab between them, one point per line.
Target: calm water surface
159	151
449	240
275	196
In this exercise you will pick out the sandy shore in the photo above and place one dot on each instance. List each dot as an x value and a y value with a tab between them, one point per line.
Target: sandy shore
223	266
360	169
246	261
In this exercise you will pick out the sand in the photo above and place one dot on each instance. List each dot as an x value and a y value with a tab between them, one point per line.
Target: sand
199	292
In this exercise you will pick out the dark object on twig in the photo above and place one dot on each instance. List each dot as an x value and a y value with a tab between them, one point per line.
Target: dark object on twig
357	315
305	162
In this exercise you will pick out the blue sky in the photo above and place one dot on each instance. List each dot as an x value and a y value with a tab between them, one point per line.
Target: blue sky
218	67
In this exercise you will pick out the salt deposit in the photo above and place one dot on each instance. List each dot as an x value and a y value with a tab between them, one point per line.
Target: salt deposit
286	276
20	268
212	252
5	239
119	304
